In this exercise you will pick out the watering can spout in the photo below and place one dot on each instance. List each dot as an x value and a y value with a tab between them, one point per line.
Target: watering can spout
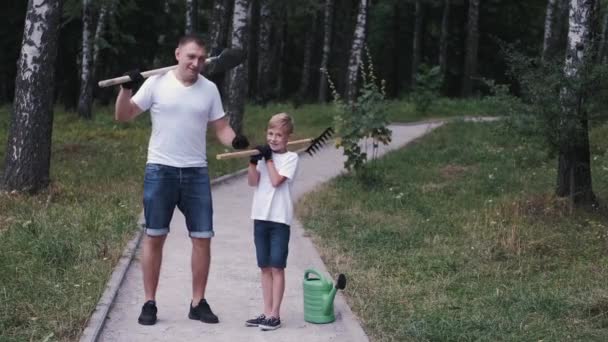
329	302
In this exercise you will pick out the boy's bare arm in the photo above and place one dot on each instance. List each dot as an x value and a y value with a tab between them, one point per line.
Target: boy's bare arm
253	176
275	178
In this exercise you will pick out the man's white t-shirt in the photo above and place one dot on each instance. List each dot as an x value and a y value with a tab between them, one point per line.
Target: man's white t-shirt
179	118
270	203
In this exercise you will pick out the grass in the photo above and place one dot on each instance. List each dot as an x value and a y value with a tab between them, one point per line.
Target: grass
58	248
459	238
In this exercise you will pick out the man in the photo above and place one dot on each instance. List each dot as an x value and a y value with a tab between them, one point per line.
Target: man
181	104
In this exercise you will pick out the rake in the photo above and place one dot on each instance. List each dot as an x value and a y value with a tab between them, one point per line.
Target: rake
315	145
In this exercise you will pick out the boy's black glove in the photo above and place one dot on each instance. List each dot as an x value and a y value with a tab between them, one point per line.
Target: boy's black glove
265	151
255	159
240	142
135	77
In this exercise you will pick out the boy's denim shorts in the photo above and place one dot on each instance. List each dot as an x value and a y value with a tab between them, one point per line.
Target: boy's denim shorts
271	243
188	188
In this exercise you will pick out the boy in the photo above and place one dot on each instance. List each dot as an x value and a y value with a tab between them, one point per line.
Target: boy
271	173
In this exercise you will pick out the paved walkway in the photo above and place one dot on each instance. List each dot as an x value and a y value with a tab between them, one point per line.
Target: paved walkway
233	289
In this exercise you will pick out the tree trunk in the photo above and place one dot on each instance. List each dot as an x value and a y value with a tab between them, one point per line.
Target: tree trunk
279	50
191	16
417	41
443	39
237	85
85	99
574	165
218	34
28	151
549	38
601	53
264	52
355	52
472	42
327	24
304	80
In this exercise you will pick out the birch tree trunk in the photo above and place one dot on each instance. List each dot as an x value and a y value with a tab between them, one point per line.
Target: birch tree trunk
443	39
28	151
237	77
601	53
218	33
310	38
355	52
574	162
472	42
264	52
549	37
327	24
417	41
191	16
106	12
85	99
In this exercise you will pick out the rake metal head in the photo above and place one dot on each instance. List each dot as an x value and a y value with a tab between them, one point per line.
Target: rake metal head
319	141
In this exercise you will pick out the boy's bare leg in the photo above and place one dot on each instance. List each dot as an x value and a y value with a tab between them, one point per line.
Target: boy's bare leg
151	260
267	290
201	258
278	287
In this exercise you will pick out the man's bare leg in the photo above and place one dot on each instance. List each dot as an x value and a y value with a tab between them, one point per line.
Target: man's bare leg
201	258
151	260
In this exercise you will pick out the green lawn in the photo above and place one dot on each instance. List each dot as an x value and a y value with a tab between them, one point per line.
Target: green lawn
459	238
58	248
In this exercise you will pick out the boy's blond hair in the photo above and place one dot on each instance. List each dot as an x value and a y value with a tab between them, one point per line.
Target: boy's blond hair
281	120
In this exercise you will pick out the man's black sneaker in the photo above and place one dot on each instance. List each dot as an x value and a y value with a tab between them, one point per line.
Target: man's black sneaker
202	312
254	322
271	323
148	313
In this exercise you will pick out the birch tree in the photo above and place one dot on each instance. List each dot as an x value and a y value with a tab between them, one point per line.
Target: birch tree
264	51
472	42
191	16
443	39
86	89
417	41
218	32
549	36
327	24
237	77
355	52
574	162
308	44
28	151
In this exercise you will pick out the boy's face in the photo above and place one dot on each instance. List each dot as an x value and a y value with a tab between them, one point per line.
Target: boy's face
277	138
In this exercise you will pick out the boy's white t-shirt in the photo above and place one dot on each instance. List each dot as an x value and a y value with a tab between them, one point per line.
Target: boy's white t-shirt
179	116
270	203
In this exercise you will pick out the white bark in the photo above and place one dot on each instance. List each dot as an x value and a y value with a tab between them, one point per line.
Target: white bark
578	35
549	27
355	52
329	9
191	16
86	61
28	151
237	77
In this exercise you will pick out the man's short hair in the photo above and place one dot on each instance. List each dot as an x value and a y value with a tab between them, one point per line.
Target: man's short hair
282	120
192	38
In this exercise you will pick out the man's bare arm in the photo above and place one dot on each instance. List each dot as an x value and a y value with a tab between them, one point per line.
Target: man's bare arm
224	132
125	110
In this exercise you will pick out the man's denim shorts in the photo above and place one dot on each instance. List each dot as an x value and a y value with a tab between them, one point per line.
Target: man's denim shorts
188	188
271	243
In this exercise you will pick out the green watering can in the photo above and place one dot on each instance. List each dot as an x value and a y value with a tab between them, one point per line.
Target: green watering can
319	294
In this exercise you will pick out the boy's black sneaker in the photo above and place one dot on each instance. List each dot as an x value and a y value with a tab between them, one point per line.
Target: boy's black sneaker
202	312
148	313
254	322
271	323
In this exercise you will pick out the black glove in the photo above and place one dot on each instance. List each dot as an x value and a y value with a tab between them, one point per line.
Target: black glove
265	151
240	142
135	77
255	159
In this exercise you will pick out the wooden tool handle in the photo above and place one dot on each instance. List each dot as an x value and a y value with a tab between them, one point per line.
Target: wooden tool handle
124	79
249	153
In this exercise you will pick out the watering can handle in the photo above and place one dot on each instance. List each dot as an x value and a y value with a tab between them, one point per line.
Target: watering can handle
309	271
